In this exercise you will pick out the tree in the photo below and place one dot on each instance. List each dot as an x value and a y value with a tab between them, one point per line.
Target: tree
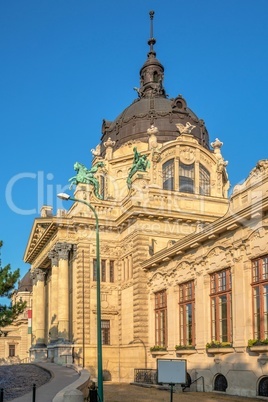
8	281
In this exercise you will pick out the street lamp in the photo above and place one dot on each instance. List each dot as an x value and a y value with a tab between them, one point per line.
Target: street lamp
66	197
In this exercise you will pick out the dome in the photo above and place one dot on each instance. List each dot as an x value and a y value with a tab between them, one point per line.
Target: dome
25	284
153	107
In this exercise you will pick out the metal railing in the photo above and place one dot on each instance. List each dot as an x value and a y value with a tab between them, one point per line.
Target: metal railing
2	392
188	384
146	376
149	376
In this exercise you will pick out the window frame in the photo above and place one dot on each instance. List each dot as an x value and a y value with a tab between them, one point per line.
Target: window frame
204	180
186	298
103	271
105	332
260	288
220	288
111	271
186	181
168	175
11	350
161	318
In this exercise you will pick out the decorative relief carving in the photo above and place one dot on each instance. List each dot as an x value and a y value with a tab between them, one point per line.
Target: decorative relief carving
215	252
183	265
63	250
260	168
152	132
54	257
39	231
96	151
221	163
168	153
187	129
104	248
109	143
205	160
187	155
38	275
156	156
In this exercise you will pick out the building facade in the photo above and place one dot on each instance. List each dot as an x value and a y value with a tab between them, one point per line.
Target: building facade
16	339
183	267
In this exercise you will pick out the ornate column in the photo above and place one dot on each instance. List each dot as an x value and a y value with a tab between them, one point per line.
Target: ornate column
53	301
39	307
63	289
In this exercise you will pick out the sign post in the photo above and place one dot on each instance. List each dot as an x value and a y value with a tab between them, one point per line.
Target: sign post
171	372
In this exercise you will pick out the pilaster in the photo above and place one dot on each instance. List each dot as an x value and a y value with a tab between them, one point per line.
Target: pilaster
140	292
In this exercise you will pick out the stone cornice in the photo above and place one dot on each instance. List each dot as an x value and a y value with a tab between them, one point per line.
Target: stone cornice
34	246
211	231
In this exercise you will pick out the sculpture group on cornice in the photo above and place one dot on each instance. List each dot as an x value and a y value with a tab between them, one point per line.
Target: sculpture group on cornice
140	161
86	176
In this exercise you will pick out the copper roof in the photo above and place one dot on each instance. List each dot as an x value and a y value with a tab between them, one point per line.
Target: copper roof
153	107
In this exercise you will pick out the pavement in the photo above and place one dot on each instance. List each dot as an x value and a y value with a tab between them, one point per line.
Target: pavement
62	376
132	393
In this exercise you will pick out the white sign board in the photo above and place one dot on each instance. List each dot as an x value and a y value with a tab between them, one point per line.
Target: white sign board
171	371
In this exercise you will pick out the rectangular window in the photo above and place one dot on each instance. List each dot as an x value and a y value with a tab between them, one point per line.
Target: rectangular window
168	175
161	318
204	180
105	332
221	306
186	306
94	270
260	297
111	271
103	270
11	352
186	178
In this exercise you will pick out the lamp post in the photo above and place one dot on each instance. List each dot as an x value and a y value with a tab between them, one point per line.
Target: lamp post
67	197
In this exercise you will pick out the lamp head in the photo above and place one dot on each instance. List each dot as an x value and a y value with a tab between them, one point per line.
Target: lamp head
63	196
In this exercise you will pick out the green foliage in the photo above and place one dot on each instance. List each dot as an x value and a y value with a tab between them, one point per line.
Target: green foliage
8	281
257	342
157	348
184	347
218	344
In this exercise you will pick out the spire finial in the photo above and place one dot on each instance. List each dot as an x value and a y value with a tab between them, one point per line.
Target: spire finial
152	72
151	41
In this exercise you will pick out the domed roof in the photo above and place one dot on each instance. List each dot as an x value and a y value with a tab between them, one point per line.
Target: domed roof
25	284
152	107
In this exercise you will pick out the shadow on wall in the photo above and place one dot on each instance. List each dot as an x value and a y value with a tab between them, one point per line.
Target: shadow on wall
107	375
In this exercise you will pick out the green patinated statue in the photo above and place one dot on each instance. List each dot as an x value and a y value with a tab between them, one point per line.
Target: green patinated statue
86	176
140	163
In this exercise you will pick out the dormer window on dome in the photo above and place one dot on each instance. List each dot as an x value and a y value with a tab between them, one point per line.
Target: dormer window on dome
191	178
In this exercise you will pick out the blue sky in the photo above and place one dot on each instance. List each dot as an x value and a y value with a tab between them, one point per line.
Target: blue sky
67	64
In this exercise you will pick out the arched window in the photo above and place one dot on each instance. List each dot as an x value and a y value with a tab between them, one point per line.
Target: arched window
204	180
220	383
263	387
155	76
168	175
186	178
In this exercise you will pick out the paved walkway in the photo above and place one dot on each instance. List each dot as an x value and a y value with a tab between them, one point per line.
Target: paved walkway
65	376
133	393
61	377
